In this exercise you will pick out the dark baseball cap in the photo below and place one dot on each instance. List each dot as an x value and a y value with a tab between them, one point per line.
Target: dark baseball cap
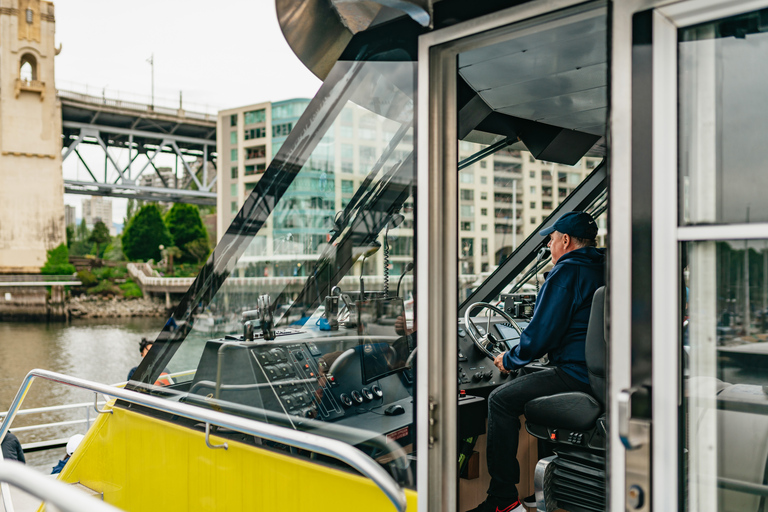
578	224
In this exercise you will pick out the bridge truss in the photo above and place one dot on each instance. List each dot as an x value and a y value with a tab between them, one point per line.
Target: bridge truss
145	132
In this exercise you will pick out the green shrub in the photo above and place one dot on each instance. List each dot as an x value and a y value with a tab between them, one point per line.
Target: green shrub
104	273
186	226
87	278
104	288
57	262
131	289
145	233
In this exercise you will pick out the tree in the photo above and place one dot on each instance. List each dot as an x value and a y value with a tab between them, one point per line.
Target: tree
70	235
186	226
99	235
169	253
57	262
145	233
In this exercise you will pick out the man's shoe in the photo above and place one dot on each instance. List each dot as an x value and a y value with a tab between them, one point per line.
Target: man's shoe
492	504
530	501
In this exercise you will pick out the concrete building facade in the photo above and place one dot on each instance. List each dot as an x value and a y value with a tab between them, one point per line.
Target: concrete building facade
31	182
97	209
70	215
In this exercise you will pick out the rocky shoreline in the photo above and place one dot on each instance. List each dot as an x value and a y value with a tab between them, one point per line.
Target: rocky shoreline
99	307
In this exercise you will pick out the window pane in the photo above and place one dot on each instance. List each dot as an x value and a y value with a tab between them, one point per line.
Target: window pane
724	121
724	322
331	366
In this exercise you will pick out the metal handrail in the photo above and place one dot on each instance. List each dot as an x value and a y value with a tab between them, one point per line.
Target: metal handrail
49	490
303	440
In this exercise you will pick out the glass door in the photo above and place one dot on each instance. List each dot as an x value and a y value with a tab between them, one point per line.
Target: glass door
710	256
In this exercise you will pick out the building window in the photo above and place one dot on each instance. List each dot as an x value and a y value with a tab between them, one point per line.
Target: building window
483	195
483	164
467	246
533	190
233	190
467	195
282	130
255	152
533	220
484	211
467	226
233	155
233	207
28	68
249	188
255	169
467	210
483	179
546	205
255	116
233	120
532	174
533	204
367	158
347	186
233	138
234	173
255	133
483	247
467	177
483	227
367	128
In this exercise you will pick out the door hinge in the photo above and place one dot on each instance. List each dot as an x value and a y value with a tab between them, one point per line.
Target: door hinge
432	422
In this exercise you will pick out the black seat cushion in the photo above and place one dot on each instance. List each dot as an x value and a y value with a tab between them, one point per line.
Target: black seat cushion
574	411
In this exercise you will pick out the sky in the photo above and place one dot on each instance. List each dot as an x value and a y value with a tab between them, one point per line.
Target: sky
218	54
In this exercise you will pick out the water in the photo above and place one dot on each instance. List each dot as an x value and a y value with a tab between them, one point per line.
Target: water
100	350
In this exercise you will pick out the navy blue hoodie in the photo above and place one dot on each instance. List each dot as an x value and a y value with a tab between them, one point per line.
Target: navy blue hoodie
561	314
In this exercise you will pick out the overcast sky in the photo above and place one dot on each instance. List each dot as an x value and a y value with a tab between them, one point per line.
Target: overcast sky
218	54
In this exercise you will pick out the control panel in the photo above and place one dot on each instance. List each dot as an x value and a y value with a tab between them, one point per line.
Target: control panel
476	371
330	379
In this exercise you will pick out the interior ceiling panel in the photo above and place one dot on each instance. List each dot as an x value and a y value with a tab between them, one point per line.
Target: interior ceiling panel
545	61
565	105
558	34
555	76
570	81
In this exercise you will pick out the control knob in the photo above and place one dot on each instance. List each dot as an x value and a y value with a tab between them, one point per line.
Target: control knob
477	377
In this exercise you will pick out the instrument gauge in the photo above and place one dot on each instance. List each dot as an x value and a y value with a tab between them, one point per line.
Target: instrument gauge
378	393
367	394
345	400
357	397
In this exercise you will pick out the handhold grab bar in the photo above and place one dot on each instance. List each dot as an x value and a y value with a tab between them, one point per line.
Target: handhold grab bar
96	405
304	440
208	442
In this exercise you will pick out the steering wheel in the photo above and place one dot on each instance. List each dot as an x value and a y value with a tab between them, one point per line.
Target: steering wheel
487	343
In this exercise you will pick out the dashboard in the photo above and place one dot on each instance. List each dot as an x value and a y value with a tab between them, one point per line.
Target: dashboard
302	378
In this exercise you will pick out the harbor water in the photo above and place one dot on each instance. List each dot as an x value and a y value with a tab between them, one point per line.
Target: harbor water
100	350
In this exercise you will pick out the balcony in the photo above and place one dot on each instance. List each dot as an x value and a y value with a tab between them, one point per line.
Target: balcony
30	86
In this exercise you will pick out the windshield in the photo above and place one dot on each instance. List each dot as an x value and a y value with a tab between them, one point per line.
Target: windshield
303	313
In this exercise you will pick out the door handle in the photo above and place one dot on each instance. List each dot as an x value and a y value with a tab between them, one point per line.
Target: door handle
633	433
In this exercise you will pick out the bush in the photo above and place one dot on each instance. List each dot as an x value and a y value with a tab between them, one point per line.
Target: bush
87	278
105	273
131	289
104	288
57	262
186	226
144	235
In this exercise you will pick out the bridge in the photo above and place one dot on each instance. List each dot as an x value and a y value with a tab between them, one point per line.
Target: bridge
145	131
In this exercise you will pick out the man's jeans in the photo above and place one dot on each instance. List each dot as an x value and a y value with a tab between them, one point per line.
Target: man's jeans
505	405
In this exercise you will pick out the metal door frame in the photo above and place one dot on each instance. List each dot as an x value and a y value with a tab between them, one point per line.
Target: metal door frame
437	250
667	20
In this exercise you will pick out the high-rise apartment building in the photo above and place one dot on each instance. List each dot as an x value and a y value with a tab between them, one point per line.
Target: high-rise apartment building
502	198
98	209
70	218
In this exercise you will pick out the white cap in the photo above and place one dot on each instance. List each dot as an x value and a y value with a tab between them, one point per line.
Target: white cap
73	443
